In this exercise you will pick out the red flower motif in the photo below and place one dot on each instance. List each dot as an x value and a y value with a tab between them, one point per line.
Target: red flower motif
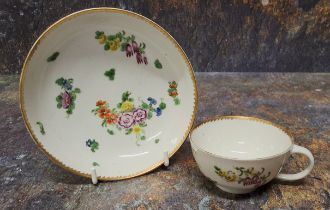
111	118
103	112
100	103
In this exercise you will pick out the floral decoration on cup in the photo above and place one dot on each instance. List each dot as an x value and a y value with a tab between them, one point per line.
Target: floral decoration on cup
246	176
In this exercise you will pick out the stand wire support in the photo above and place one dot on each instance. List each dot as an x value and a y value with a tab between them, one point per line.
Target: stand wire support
94	176
166	159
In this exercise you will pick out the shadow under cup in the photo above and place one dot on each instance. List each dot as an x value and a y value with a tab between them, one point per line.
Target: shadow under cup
242	153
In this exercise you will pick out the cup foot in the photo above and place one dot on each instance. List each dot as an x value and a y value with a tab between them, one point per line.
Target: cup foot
234	191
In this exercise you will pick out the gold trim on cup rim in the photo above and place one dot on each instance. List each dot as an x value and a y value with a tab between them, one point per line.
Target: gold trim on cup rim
89	11
250	118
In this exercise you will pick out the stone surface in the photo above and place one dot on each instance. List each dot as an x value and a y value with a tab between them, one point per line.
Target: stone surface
298	101
237	35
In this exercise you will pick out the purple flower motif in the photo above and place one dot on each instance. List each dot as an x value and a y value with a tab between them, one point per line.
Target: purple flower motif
66	99
129	50
145	60
126	120
139	115
135	47
139	58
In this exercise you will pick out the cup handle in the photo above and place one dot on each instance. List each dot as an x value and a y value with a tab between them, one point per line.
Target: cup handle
305	172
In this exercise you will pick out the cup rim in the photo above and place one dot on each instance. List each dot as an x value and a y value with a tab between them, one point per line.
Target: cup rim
250	118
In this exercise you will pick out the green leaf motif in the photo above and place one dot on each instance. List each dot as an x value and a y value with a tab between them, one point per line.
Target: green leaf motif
53	57
143	124
110	132
125	96
107	46
104	123
69	110
149	115
172	90
162	105
74	96
156	141
41	127
158	64
96	164
110	74
145	105
129	131
143	138
59	98
177	101
73	105
123	46
60	81
111	37
77	90
98	34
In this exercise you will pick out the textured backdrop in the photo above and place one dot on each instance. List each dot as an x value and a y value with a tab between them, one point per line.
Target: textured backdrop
232	35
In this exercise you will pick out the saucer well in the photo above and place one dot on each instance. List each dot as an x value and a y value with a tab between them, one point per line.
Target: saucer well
110	89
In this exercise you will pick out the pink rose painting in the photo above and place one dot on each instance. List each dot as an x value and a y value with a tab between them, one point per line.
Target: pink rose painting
66	100
139	115
126	120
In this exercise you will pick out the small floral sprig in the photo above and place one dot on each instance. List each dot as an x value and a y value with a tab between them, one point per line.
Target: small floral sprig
173	92
53	57
158	64
152	107
125	43
92	144
110	74
41	127
66	99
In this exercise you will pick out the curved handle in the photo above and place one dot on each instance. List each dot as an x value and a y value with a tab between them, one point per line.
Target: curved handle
305	172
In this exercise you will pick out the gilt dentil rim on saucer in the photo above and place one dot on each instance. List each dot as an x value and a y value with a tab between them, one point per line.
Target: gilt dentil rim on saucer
110	89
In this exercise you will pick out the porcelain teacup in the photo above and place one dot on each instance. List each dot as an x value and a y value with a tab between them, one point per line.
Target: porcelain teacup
242	153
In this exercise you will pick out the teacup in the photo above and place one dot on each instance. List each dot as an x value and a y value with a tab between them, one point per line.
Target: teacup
242	153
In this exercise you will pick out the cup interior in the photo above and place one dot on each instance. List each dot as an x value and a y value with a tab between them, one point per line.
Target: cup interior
241	138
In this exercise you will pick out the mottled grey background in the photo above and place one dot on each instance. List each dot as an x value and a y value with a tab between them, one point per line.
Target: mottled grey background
232	35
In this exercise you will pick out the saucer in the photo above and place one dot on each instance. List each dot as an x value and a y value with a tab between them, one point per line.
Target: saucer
109	89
